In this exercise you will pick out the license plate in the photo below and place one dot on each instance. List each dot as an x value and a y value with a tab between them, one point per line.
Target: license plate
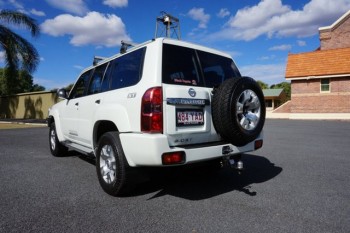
185	117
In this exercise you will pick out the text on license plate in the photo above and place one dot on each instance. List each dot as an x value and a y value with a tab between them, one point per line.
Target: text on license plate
185	117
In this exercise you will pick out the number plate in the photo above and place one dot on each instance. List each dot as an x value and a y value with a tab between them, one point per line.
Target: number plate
187	117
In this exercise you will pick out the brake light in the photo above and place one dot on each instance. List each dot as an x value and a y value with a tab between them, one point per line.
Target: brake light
152	111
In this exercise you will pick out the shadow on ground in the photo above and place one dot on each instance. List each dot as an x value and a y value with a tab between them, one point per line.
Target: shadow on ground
198	182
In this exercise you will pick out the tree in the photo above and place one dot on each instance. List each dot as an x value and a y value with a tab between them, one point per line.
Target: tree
67	88
19	53
37	87
262	84
283	85
22	82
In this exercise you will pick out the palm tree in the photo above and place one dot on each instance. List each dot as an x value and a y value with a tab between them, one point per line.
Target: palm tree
19	53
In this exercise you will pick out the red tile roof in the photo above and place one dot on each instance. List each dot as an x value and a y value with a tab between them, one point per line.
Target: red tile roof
319	63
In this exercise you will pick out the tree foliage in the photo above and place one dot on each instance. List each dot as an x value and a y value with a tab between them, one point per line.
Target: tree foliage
19	53
286	86
262	84
20	83
67	88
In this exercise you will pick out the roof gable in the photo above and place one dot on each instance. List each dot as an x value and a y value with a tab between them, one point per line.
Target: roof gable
336	23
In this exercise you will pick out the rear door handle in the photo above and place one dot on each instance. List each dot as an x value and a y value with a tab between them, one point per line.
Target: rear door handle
77	104
98	101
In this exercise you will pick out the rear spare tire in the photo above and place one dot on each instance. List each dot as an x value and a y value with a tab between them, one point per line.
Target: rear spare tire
238	110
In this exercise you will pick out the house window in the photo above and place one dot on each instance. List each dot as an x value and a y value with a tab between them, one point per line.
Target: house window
325	87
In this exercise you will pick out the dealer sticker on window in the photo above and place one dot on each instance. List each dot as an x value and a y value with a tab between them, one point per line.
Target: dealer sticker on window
189	117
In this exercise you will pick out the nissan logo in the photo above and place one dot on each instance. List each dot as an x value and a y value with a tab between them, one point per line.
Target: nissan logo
192	92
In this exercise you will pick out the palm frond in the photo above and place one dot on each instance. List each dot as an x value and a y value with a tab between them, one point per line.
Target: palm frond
20	19
18	51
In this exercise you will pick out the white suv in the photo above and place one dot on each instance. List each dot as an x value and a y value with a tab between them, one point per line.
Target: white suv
162	103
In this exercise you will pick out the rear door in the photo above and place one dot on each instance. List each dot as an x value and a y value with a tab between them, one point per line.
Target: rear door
189	76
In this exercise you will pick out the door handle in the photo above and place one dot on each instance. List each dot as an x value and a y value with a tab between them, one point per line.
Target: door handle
98	101
77	104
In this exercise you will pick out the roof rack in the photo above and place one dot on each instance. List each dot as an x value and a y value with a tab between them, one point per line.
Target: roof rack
126	45
97	59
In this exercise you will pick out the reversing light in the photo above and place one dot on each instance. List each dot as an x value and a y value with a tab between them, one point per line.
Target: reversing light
258	144
173	158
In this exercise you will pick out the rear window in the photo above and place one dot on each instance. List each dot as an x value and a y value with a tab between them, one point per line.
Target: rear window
185	66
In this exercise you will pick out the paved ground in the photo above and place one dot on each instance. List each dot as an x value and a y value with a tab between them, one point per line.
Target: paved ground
298	182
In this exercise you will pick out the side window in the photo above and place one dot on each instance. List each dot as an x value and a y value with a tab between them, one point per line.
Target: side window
96	80
80	86
127	69
179	66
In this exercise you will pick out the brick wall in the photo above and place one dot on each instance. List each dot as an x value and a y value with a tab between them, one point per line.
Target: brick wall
337	37
307	98
305	86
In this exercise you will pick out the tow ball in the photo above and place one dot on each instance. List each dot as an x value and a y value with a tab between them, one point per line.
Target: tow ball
235	163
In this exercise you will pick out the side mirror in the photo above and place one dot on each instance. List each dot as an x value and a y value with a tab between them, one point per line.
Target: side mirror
62	93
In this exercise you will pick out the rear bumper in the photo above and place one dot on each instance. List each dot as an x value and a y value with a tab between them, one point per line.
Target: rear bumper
147	149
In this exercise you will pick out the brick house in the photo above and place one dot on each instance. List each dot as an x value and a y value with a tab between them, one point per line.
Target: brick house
320	80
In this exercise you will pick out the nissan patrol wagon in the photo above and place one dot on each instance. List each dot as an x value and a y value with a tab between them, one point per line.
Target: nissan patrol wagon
161	103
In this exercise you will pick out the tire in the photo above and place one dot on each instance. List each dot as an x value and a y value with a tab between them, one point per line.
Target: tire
56	148
238	110
111	165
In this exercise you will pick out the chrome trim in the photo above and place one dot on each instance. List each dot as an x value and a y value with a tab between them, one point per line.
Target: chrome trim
187	101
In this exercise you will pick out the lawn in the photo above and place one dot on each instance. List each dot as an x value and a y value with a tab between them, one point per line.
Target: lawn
18	125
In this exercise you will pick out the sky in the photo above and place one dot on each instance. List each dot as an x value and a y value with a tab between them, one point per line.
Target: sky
257	34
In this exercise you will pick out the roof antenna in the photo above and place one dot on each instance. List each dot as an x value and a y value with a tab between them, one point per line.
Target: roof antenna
169	25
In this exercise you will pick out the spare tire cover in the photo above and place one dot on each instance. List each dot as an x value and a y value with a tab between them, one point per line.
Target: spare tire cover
238	110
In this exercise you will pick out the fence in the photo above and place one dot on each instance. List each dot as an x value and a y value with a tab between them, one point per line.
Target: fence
34	105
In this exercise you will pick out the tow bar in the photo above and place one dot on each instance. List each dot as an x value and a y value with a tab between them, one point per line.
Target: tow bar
234	162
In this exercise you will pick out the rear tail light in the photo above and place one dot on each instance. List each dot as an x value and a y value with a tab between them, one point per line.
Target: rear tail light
152	111
173	158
